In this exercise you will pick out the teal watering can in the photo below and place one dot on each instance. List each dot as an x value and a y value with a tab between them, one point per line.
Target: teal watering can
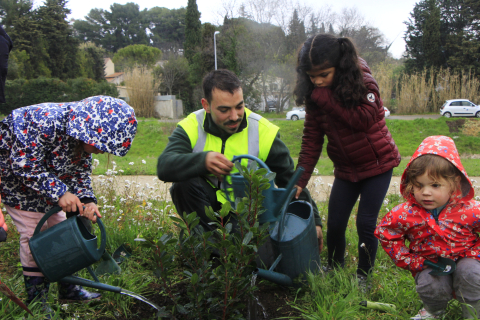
68	247
292	229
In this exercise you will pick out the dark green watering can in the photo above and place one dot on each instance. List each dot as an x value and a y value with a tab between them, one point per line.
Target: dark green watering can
292	228
274	197
68	247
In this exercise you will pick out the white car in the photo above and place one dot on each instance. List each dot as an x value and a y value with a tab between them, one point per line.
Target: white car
387	112
460	108
296	113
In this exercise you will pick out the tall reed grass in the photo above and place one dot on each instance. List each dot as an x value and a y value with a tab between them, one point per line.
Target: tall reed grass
426	91
141	88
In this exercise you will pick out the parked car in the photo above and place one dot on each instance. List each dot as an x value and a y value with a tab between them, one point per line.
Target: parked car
296	113
460	108
271	106
387	112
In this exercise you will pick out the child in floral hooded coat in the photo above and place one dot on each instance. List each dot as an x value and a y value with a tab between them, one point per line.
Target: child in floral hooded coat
45	161
439	219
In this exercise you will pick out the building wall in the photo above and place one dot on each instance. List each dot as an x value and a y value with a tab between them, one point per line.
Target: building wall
168	107
109	67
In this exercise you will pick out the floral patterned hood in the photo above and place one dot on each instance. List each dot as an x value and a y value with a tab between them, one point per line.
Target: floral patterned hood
107	123
444	147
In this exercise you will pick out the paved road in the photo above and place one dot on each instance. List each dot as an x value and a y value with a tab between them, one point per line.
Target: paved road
319	186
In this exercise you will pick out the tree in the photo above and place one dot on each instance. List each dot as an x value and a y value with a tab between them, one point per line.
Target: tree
61	45
193	30
441	33
91	61
123	25
137	55
431	36
173	74
296	35
30	45
167	28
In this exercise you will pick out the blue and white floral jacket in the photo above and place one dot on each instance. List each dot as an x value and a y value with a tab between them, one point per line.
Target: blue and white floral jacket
40	154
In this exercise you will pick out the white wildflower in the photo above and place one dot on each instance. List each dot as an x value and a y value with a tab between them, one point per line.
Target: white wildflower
362	245
131	163
385	201
121	171
144	162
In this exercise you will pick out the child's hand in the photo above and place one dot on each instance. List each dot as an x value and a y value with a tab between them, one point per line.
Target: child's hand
299	190
70	203
91	212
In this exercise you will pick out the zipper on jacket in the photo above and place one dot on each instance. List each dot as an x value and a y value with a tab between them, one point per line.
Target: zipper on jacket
373	147
223	147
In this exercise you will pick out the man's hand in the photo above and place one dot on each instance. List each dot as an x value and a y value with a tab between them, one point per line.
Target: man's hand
320	238
70	203
91	212
217	164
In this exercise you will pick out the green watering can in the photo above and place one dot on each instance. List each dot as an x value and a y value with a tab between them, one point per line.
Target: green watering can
292	229
443	267
68	247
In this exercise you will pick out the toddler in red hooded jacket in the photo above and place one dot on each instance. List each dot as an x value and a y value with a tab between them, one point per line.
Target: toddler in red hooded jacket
439	219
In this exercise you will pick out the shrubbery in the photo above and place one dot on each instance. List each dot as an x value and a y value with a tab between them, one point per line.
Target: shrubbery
22	92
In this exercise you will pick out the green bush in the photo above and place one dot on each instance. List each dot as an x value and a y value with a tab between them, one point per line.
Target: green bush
22	92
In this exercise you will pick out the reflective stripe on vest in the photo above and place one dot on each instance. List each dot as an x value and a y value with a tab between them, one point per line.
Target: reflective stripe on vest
260	134
253	136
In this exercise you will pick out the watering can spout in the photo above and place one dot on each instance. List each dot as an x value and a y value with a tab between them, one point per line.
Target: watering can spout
275	277
91	284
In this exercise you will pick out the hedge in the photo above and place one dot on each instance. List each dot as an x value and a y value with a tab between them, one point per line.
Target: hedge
22	92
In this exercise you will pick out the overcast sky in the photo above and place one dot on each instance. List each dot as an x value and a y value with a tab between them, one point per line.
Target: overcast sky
386	15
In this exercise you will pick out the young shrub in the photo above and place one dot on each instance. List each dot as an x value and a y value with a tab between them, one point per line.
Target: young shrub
216	286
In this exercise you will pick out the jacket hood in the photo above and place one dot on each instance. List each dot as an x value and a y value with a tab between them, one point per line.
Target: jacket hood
107	123
444	147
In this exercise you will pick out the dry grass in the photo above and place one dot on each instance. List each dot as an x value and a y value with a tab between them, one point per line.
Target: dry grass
414	93
471	128
141	88
383	73
421	93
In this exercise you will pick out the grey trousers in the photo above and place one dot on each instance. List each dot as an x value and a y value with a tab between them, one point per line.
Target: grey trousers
436	291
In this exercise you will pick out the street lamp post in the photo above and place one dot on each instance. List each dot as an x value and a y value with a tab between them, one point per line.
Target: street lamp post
215	46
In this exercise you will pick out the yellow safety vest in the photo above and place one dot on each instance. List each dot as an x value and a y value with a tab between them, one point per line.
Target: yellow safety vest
256	140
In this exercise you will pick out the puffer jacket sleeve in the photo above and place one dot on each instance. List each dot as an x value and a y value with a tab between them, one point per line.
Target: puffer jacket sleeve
392	239
359	118
312	143
29	147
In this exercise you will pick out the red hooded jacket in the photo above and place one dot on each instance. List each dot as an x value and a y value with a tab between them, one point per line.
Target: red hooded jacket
359	143
454	236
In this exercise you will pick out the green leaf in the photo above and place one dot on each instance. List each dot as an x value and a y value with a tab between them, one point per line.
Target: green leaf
181	309
248	237
194	279
177	220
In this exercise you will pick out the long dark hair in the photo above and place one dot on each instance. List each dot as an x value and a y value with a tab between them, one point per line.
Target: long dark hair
324	51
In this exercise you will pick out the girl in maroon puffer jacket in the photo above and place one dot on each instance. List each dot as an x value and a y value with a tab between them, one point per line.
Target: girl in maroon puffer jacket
343	103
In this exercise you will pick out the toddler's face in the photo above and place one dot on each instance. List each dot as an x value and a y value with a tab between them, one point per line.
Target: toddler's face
431	193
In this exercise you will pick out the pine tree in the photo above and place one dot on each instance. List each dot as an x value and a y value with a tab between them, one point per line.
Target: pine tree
193	30
296	35
431	35
61	45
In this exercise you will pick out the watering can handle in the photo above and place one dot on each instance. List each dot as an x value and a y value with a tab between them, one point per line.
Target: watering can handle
247	156
56	209
236	158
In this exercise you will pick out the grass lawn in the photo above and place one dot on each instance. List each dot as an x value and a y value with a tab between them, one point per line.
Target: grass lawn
152	137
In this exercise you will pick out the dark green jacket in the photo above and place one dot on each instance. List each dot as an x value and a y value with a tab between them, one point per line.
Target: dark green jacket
178	163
